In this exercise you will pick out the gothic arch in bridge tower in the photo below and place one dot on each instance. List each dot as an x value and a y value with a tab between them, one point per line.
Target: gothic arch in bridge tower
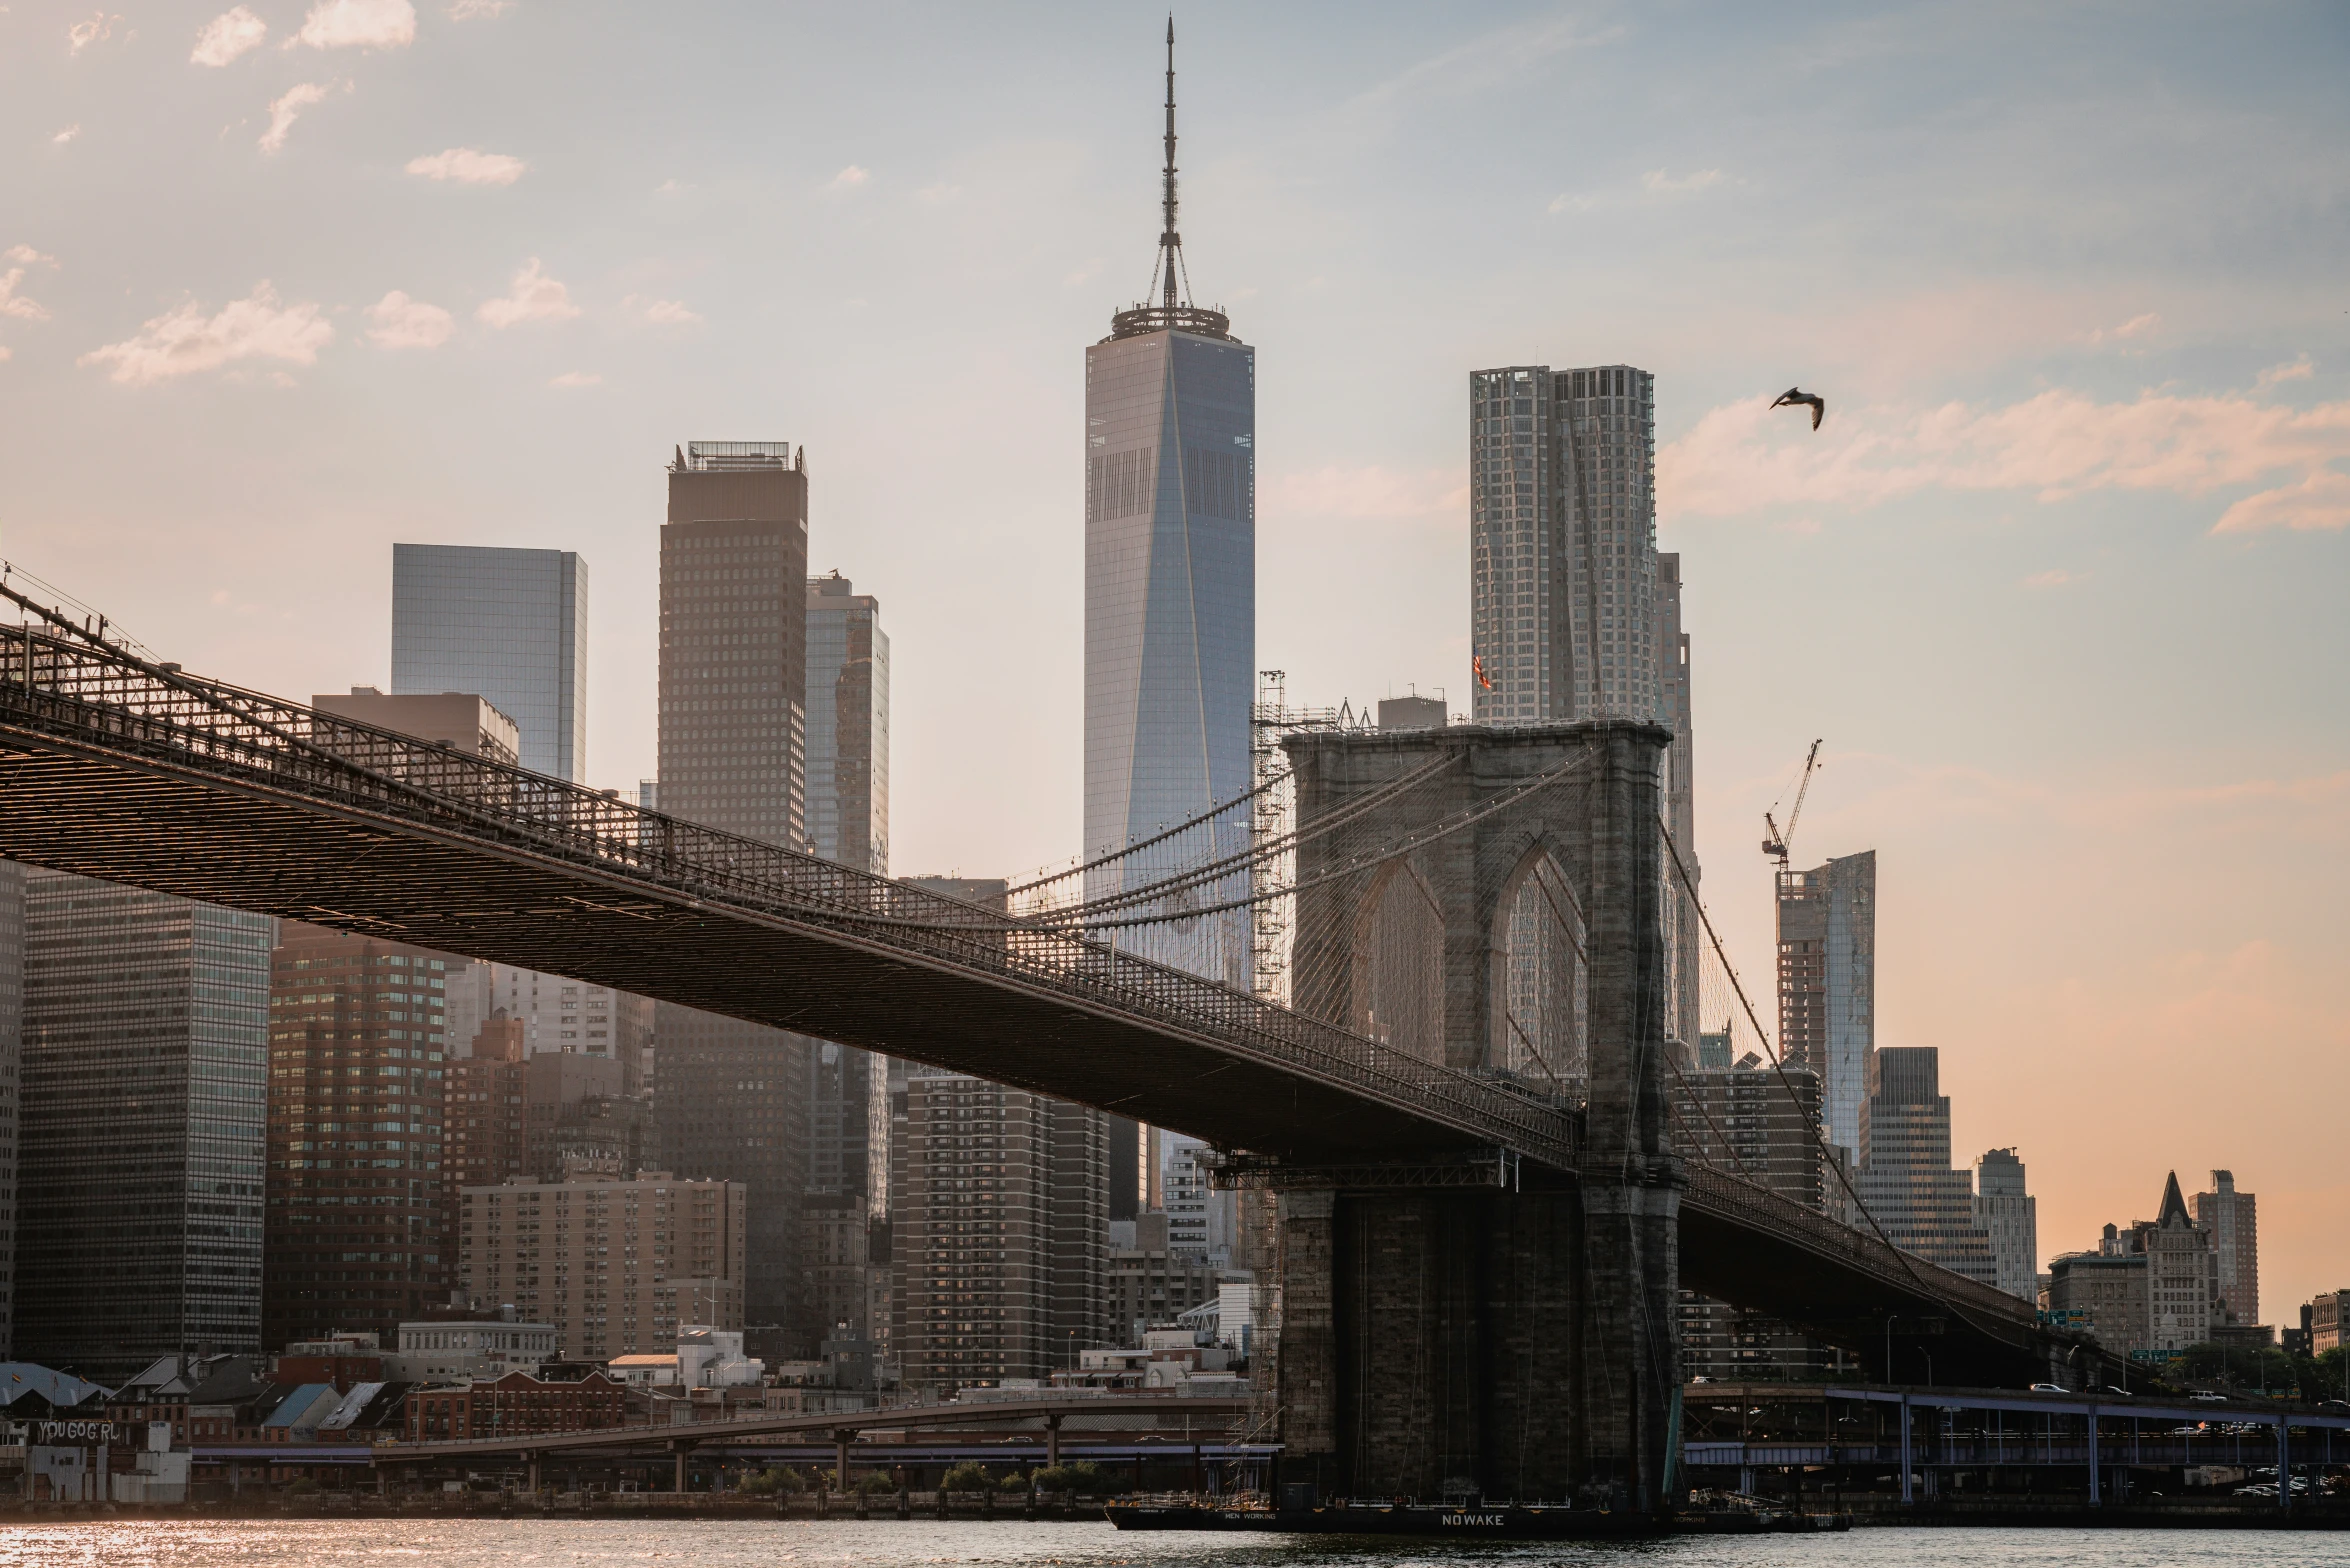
1397	963
1537	966
1518	1337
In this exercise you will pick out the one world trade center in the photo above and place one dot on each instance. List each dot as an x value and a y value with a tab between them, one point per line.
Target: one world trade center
1170	599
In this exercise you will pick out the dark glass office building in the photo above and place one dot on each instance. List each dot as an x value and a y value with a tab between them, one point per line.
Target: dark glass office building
146	1041
358	1213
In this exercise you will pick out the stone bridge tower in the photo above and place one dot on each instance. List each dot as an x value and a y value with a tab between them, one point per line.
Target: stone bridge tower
1515	1338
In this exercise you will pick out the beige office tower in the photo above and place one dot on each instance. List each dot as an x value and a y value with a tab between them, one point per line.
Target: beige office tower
734	571
616	1266
1562	544
2232	1220
2010	1216
734	627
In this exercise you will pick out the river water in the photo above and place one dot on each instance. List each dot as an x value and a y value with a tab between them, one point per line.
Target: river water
481	1543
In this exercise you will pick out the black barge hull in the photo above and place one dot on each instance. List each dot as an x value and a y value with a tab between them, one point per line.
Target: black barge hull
1497	1523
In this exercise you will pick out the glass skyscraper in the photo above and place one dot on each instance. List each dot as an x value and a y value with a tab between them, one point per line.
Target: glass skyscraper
1170	569
848	821
1828	984
848	726
508	625
146	1056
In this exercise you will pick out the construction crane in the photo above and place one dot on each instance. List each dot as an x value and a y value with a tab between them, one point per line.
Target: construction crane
1774	841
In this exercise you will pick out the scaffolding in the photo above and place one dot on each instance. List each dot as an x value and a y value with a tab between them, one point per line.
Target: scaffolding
1273	912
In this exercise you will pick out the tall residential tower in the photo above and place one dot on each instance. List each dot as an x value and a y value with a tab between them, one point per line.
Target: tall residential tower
1562	540
1828	984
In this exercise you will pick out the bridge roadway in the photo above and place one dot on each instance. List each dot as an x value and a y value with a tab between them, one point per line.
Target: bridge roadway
134	772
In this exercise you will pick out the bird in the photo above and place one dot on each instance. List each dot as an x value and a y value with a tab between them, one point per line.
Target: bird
1796	395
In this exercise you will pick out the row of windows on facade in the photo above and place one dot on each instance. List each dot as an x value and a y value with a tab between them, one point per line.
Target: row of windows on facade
1124	484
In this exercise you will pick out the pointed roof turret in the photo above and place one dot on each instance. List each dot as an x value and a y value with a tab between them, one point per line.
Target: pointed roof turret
2172	1204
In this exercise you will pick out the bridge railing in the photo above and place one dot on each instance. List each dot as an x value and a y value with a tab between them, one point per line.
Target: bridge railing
108	698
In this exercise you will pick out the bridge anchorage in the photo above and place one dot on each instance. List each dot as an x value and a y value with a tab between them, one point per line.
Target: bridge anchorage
1462	1122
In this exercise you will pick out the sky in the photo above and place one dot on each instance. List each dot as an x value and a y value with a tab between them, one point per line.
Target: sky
2063	580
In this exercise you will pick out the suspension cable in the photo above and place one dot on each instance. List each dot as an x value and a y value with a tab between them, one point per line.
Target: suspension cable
1779	1068
1360	863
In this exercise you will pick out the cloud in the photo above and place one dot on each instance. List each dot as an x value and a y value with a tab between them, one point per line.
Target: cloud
2135	327
97	29
66	135
469	167
534	297
662	312
1483	63
2319	502
1659	183
27	255
185	340
849	179
576	378
13	304
472	10
283	111
2054	577
401	322
227	36
2299	370
358	24
1743	458
6	353
1372	492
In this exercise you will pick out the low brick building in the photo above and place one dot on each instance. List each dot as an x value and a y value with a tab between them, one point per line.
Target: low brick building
515	1403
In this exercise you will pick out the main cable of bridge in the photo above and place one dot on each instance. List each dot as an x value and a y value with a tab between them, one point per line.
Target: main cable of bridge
1379	855
1827	1154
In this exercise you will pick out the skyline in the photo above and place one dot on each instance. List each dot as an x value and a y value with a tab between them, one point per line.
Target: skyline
2071	305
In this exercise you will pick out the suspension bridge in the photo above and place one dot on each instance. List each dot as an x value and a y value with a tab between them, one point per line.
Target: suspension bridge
1421	1113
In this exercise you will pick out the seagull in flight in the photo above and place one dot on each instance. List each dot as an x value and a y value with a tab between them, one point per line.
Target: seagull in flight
1795	396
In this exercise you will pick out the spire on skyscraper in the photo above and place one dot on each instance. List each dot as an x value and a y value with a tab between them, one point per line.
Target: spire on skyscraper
1170	279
